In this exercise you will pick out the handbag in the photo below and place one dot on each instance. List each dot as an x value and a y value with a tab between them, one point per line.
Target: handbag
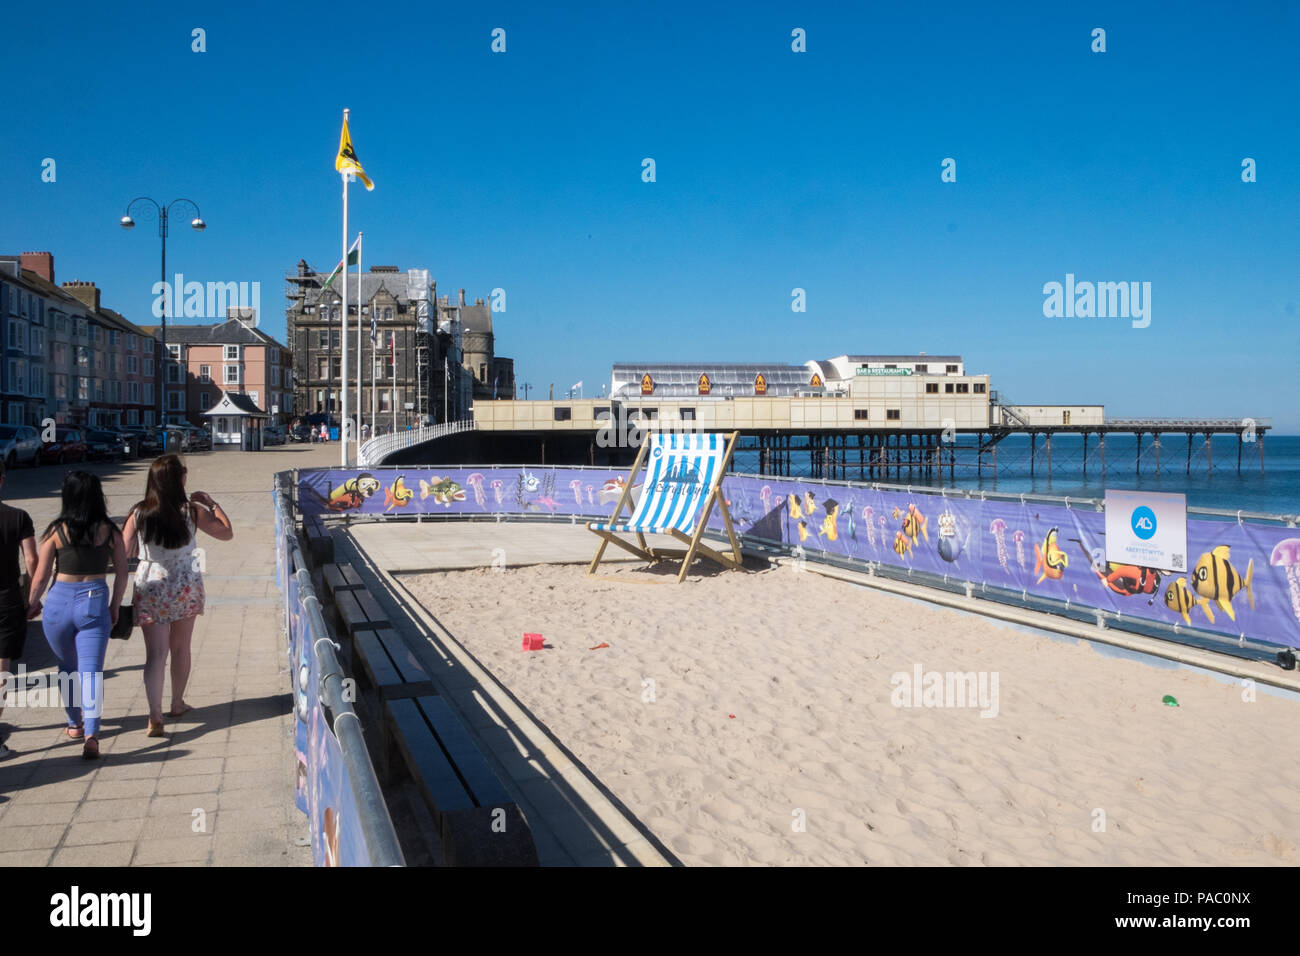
125	623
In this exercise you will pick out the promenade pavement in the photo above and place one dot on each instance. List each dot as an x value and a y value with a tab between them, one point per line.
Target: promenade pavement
218	789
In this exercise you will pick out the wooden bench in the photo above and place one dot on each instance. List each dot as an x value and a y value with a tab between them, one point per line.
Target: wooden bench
340	577
319	543
386	666
479	823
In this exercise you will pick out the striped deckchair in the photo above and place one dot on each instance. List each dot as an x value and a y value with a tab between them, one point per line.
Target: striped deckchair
683	481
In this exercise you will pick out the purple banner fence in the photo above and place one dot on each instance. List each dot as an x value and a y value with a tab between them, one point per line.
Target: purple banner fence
1243	578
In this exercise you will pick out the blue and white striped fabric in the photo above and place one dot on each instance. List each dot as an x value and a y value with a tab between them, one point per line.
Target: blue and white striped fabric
680	470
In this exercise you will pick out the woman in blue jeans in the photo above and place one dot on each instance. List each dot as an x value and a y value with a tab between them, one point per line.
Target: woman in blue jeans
80	613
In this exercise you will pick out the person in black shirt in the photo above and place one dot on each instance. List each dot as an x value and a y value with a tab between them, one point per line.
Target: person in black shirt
16	533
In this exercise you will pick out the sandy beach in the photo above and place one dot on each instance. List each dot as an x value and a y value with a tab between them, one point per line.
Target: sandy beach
769	718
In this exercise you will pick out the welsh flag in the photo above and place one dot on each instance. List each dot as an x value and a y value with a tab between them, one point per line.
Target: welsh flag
354	256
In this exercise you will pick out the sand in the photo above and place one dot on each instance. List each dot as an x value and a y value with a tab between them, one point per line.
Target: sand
761	701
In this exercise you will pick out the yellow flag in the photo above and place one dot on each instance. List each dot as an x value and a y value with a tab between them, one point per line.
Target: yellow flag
347	161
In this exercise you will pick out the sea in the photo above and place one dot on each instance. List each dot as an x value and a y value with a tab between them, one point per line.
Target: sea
1275	491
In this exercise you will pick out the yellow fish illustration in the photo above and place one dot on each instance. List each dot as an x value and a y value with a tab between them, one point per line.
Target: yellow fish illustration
902	545
1052	561
1215	578
803	531
829	528
913	523
795	512
444	491
1179	598
397	495
809	505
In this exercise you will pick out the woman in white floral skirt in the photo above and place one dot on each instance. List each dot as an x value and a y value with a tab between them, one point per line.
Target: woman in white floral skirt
168	581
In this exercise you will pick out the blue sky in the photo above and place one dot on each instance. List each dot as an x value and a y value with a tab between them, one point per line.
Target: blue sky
775	170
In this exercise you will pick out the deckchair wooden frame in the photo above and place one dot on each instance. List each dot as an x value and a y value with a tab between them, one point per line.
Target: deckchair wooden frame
695	546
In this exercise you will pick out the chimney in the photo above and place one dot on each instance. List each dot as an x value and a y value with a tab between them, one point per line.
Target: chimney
84	292
478	301
42	263
302	267
462	296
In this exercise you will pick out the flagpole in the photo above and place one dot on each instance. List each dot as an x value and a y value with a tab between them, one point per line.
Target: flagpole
393	342
343	339
359	325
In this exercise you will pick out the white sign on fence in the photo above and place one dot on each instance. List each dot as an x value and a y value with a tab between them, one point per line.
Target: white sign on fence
1146	528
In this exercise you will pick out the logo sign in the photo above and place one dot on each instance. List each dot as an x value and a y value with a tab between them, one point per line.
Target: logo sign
815	381
864	370
647	384
760	384
704	383
1146	529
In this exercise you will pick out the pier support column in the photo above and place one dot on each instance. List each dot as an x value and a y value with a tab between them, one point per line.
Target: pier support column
1189	453
1137	462
1048	444
1033	451
1155	436
1085	454
1239	444
1209	451
1260	439
1102	446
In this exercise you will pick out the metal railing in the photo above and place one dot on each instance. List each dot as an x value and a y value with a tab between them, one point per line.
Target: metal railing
1235	424
374	451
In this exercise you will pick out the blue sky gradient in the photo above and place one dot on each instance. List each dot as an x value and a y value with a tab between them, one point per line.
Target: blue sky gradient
775	170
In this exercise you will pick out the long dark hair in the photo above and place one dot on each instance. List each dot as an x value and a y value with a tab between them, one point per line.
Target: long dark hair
83	511
162	516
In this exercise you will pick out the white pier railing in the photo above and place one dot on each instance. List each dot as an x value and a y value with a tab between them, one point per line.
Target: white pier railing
374	451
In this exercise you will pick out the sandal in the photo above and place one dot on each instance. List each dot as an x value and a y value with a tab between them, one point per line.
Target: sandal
90	751
155	728
75	733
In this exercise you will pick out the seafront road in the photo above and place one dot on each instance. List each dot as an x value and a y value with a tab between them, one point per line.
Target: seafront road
218	789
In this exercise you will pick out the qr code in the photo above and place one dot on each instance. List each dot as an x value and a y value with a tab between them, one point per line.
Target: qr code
1179	564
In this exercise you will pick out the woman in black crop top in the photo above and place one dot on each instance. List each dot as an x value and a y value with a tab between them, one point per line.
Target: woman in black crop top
81	541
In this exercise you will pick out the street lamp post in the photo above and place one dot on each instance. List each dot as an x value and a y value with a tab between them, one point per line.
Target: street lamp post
525	386
153	207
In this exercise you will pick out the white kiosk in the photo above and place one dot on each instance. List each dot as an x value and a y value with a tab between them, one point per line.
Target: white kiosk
237	423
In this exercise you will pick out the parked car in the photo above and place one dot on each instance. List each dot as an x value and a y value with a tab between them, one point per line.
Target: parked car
300	432
273	435
19	445
104	446
69	445
201	440
144	440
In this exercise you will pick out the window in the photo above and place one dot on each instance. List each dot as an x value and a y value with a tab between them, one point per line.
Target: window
148	367
60	323
963	388
947	387
232	375
232	353
893	414
37	381
381	365
175	401
334	338
133	392
601	413
149	417
388	315
950	369
205	373
173	374
322	367
38	342
275	375
148	400
563	414
115	392
18	335
61	387
323	340
15	413
931	388
112	337
94	334
133	416
861	414
133	364
337	367
980	388
112	361
920	368
482	371
687	414
891	366
17	376
60	355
